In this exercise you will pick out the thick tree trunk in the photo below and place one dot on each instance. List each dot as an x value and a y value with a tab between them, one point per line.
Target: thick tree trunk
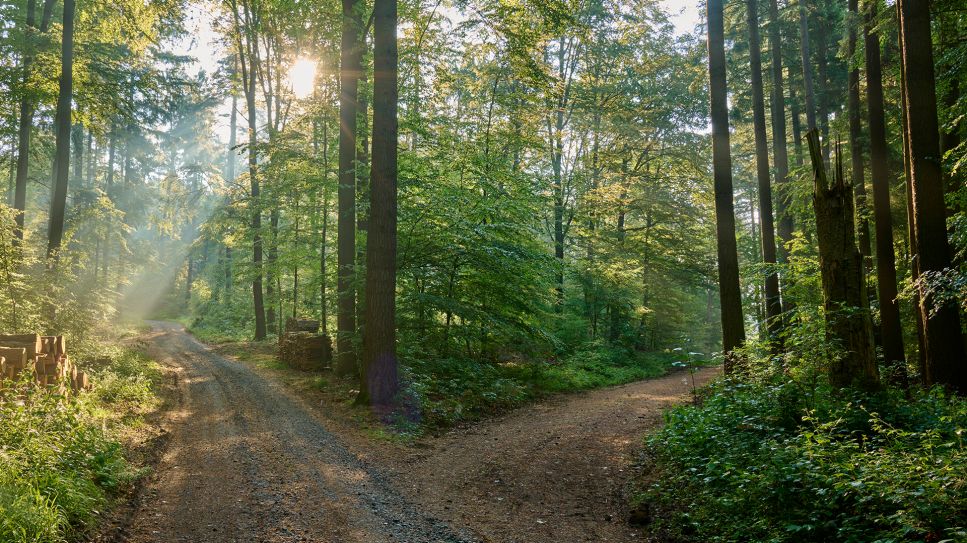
349	73
58	204
945	362
886	278
733	326
773	305
845	300
380	373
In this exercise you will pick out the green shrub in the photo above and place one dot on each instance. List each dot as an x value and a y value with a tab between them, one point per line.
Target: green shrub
774	461
450	391
57	468
60	460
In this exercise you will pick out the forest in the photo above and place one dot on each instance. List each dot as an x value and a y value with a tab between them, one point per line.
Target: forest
483	270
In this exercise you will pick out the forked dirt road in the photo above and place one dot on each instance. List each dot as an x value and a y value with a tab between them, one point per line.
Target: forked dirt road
247	460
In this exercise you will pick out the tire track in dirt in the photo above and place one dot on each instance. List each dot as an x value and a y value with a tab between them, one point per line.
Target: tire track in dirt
246	462
553	472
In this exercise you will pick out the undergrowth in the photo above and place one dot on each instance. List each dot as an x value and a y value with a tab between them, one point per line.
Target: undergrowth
61	457
452	391
778	461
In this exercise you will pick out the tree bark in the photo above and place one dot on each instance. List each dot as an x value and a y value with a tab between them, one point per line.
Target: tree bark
58	205
945	362
247	59
845	299
26	113
780	152
349	74
891	330
380	373
855	136
773	305
807	70
733	326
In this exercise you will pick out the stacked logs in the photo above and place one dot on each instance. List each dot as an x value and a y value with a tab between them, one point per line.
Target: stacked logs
302	347
44	356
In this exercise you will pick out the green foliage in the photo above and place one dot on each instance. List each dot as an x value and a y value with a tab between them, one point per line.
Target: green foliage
452	391
57	466
779	461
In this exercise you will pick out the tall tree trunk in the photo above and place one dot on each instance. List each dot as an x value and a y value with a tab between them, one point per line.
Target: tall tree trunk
807	70
362	187
272	274
796	124
886	279
77	162
92	158
380	374
58	204
945	360
822	94
231	165
845	300
733	327
773	305
779	150
349	74
855	137
26	112
246	44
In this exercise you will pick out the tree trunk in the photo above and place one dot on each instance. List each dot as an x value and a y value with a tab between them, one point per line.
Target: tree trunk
822	95
58	205
380	374
26	113
362	187
733	326
773	305
845	299
886	278
779	151
349	73
855	137
945	363
247	60
807	70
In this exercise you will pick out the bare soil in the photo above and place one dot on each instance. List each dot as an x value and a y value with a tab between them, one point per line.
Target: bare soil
249	459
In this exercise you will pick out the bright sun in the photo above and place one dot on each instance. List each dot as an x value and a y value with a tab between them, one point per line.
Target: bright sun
302	77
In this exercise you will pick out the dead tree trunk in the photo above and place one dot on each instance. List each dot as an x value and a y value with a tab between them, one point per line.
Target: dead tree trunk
846	305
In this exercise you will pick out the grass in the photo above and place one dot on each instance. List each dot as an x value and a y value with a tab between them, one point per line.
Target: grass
61	457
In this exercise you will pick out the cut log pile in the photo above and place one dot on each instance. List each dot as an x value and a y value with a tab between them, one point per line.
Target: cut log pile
45	357
302	347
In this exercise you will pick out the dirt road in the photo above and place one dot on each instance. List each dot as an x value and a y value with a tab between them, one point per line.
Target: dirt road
554	472
246	462
249	461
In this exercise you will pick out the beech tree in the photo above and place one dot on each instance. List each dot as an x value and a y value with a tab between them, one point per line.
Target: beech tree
58	201
733	327
380	379
944	356
350	71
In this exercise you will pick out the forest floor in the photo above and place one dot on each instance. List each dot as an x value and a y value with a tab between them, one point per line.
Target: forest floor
250	458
